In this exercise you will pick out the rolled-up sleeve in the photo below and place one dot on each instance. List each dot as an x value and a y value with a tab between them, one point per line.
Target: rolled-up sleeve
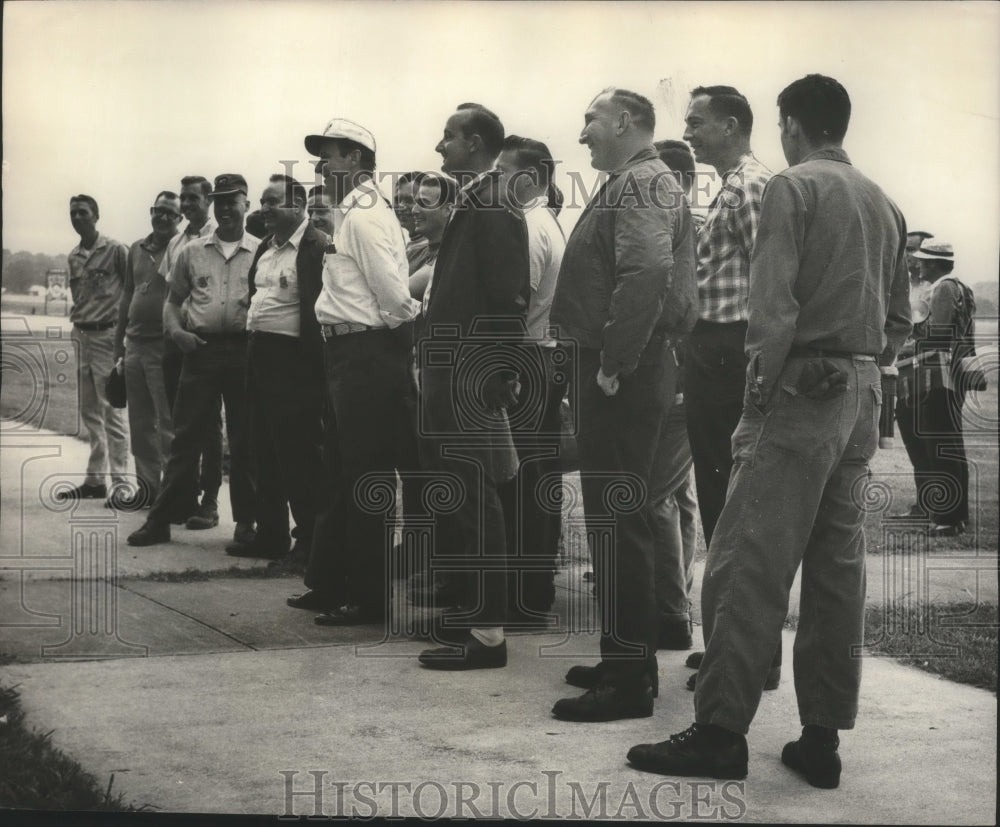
645	230
774	267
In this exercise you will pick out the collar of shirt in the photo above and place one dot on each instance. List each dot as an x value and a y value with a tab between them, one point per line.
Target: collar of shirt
740	164
827	153
207	229
642	155
536	202
243	243
463	193
102	241
150	246
366	194
295	238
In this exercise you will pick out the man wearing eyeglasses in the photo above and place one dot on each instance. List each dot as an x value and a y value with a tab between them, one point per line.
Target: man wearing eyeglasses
139	338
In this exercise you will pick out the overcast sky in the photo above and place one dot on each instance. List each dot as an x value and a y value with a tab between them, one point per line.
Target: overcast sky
121	99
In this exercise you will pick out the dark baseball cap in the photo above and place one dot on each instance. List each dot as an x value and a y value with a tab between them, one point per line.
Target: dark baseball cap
229	183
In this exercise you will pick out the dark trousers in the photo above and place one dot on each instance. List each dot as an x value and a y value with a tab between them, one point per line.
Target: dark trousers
460	444
716	371
216	369
286	402
617	437
369	427
531	504
715	381
210	478
931	427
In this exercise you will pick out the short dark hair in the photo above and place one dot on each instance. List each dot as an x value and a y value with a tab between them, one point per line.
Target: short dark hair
556	199
727	102
677	155
89	200
407	177
533	155
447	185
820	105
484	123
293	189
639	108
173	196
345	146
318	191
197	181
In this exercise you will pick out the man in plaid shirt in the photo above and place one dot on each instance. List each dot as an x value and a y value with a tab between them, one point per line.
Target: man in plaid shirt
718	125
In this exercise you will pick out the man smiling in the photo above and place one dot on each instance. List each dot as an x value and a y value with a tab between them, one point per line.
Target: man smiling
213	272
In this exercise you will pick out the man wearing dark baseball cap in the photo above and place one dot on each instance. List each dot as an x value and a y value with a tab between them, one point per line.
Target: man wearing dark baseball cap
213	272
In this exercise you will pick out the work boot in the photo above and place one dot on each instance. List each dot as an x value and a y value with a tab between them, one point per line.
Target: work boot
675	635
150	533
87	491
608	702
587	677
700	750
205	516
243	538
815	756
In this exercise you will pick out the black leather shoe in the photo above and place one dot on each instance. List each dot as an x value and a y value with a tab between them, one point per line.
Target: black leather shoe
149	534
87	491
259	547
693	661
349	615
773	679
243	536
815	757
587	677
700	750
607	702
205	516
675	635
312	601
470	654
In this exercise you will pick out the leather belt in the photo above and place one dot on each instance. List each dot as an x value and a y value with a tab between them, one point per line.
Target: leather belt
94	326
331	331
831	354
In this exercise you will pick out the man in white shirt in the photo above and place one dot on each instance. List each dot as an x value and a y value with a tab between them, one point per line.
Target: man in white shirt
365	312
526	167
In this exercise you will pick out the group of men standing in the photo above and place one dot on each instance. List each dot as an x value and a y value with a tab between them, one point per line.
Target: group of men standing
781	308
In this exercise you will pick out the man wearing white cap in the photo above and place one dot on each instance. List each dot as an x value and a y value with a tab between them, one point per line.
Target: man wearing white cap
364	310
939	460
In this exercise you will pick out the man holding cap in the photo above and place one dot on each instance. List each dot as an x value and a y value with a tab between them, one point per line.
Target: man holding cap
213	272
364	299
96	279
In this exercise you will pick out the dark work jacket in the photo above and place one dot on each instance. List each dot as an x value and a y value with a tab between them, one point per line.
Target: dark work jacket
309	272
481	274
632	241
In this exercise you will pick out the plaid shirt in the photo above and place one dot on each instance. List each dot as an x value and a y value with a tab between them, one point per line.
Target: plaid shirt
726	241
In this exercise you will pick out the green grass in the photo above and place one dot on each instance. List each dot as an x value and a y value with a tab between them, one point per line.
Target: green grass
957	641
36	775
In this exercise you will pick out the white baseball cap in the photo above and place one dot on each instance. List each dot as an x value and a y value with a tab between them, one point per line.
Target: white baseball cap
341	128
934	250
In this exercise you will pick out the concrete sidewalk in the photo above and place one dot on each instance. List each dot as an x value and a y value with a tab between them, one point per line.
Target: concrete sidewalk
213	696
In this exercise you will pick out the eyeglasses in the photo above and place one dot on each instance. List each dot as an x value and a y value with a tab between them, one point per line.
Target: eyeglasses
163	211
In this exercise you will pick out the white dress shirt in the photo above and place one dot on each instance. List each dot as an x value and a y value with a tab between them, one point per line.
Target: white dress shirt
366	279
546	244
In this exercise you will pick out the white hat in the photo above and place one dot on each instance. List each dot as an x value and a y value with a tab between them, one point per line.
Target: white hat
933	250
341	128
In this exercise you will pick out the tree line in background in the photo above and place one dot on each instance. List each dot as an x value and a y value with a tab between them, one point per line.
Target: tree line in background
22	270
